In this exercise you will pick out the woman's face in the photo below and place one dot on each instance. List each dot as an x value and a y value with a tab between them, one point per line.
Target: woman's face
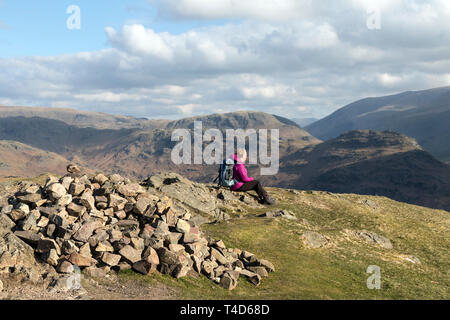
244	157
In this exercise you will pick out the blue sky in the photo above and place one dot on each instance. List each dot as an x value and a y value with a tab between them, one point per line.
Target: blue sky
38	28
180	58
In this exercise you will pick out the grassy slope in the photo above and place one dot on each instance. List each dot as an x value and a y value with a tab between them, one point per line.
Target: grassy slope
337	271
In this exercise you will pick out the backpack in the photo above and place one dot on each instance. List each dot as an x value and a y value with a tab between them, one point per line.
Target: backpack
226	173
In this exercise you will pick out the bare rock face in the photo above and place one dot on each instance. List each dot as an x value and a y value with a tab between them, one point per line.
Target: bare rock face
193	194
105	223
315	239
373	238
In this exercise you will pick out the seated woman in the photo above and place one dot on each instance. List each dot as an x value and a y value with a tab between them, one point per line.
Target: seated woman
246	183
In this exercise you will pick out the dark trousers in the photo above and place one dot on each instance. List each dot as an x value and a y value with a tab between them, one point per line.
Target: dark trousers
256	186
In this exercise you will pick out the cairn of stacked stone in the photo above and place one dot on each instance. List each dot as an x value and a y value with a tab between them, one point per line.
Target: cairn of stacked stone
105	223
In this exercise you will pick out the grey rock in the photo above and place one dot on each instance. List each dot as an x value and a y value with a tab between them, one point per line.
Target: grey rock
372	237
314	239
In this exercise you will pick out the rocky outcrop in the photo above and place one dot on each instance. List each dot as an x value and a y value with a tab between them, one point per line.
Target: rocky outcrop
104	223
200	197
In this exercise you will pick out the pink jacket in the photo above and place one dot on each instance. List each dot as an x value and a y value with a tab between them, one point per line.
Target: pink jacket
239	174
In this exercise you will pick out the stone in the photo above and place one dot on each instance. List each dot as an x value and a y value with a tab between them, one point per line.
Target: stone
65	267
73	168
251	276
266	264
86	230
95	272
23	208
138	243
246	255
7	209
117	202
197	264
259	270
183	226
208	267
115	235
161	229
50	230
314	239
172	238
68	247
124	266
43	222
171	217
17	215
33	200
87	200
144	267
279	213
194	248
33	189
58	220
131	190
104	247
66	181
121	215
80	260
228	281
127	225
57	191
130	254
29	222
45	245
180	271
76	210
190	238
111	259
29	237
100	179
176	247
168	257
64	200
101	199
51	257
142	205
219	244
218	256
151	255
373	238
76	189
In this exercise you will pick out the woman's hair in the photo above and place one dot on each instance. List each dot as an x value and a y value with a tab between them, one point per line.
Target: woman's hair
241	153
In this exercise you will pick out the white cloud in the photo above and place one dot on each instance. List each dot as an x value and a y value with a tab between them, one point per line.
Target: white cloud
279	55
268	10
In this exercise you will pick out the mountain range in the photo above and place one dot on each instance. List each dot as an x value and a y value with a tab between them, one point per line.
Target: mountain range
423	115
404	167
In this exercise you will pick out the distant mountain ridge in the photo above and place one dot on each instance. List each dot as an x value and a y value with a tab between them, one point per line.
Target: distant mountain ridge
363	161
82	119
423	115
369	162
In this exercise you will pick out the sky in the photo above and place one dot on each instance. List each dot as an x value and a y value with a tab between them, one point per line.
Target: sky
180	58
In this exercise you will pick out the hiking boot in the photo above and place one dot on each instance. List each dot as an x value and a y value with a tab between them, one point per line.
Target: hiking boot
269	201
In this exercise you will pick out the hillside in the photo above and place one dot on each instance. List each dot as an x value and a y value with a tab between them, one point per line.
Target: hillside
136	152
82	119
423	115
321	247
303	122
20	160
370	162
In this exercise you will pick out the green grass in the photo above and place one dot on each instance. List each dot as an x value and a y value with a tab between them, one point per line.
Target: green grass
337	271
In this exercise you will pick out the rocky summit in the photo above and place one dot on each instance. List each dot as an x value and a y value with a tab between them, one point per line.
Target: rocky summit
101	224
